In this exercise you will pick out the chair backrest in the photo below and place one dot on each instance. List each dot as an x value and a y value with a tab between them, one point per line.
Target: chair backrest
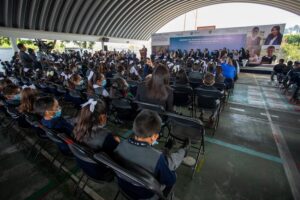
79	151
214	94
220	86
143	105
131	173
12	112
185	127
85	160
51	135
183	94
121	103
31	119
195	82
207	98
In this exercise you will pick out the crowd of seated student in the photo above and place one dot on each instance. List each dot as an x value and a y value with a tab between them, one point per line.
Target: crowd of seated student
288	75
90	73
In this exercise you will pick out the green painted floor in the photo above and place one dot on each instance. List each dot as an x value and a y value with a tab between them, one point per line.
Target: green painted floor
241	161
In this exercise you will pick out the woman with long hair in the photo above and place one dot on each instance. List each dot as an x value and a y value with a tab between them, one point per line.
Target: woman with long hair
90	130
156	90
28	97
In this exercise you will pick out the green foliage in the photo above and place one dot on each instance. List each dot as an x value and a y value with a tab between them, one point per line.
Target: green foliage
291	47
28	43
5	42
291	52
292	39
84	44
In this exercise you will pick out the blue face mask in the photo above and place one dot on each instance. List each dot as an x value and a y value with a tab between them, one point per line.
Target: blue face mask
57	114
154	143
103	83
17	97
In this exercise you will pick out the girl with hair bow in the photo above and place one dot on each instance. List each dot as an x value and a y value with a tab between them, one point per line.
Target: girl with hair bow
90	128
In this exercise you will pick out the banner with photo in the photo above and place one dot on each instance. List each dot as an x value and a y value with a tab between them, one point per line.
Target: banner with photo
255	39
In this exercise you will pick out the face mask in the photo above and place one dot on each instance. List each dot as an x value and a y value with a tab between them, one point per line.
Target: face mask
81	82
154	143
17	97
103	83
57	114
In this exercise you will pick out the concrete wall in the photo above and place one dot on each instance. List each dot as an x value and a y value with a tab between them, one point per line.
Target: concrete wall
6	54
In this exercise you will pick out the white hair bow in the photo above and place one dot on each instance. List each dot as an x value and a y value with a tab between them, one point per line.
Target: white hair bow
30	86
92	104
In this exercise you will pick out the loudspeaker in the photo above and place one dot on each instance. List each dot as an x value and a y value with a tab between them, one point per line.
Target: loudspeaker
105	47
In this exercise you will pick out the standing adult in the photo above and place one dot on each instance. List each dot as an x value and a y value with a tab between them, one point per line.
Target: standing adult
26	60
143	52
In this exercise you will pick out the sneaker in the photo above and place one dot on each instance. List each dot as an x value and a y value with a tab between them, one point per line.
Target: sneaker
189	161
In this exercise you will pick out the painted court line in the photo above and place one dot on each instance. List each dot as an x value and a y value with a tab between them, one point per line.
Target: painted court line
244	150
264	114
231	146
289	164
237	109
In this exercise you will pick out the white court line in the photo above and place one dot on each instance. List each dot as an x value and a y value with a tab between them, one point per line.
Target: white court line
289	164
238	109
264	114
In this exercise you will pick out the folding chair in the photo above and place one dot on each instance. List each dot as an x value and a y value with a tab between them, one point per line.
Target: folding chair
94	171
62	146
123	109
159	109
130	174
15	116
133	85
185	127
208	100
183	96
194	82
223	89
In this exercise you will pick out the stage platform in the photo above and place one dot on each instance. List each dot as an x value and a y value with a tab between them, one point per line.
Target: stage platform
258	69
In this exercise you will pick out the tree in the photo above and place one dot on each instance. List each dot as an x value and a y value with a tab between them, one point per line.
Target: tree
5	42
297	28
292	39
291	47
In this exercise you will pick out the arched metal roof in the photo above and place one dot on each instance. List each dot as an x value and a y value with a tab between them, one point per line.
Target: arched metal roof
131	19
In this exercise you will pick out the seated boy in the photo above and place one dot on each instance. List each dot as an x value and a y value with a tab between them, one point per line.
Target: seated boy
214	100
50	110
12	95
139	150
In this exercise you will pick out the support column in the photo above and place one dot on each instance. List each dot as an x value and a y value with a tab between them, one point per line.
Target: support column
13	42
102	45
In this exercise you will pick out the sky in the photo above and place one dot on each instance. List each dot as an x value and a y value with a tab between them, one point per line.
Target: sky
232	15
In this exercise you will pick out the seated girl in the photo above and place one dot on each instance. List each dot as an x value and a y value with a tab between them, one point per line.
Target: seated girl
156	89
98	87
90	130
119	88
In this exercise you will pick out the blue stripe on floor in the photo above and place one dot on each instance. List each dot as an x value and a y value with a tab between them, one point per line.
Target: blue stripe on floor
244	150
230	146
